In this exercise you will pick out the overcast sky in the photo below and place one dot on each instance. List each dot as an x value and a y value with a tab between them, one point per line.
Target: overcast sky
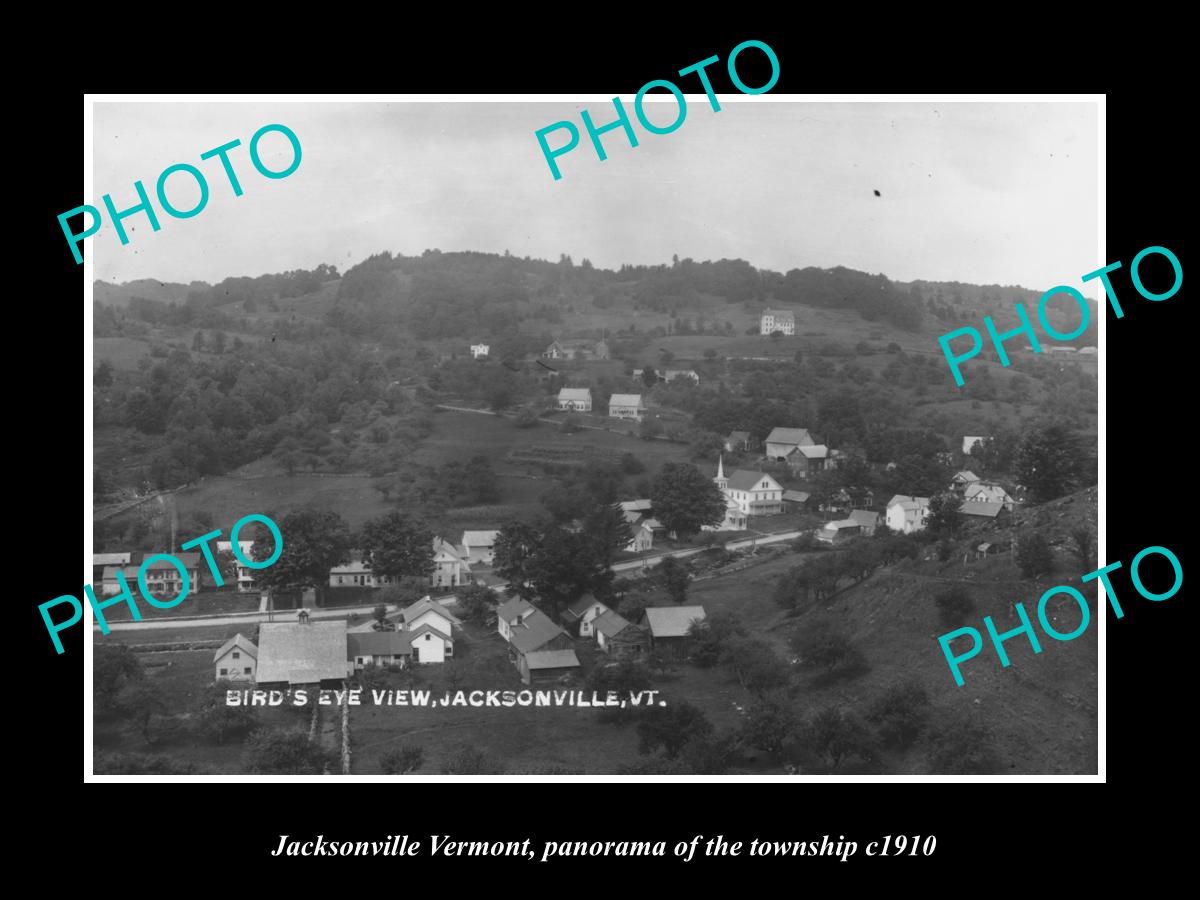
977	192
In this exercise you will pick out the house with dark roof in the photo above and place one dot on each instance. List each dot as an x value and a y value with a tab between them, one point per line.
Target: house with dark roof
988	492
782	441
302	654
580	615
982	511
669	627
867	519
620	638
806	460
236	659
510	613
962	480
378	648
547	666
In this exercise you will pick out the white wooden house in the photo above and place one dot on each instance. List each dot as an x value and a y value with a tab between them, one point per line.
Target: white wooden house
575	399
479	546
626	406
236	659
773	320
907	514
245	575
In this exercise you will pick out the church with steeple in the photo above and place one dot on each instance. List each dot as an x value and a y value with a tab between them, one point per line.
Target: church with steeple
747	493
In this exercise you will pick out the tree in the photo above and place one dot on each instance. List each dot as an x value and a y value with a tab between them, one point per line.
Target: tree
624	677
1083	545
397	546
475	602
709	636
114	666
900	714
708	754
1049	461
218	721
402	760
512	558
1033	555
649	376
103	376
675	576
670	728
314	541
380	614
838	735
944	513
273	752
684	499
821	644
218	342
608	530
953	605
140	701
198	342
566	566
768	723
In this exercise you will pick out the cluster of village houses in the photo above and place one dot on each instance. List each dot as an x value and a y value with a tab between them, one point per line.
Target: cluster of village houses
306	652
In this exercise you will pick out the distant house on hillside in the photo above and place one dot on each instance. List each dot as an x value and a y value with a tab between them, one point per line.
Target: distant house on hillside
164	579
962	480
737	442
625	406
669	375
577	349
988	492
773	320
782	441
245	575
357	573
479	351
575	399
643	536
907	514
480	546
236	659
867	519
970	441
982	510
669	625
302	654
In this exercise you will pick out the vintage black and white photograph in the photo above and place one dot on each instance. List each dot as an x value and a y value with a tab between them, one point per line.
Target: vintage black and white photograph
660	467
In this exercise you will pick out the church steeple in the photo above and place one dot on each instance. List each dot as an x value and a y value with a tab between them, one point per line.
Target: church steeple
721	481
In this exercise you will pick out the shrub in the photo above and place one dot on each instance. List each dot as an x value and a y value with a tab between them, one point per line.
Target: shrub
900	714
1033	555
962	746
953	605
402	760
823	645
839	735
472	761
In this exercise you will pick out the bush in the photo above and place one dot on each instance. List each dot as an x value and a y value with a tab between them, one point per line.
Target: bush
823	645
1033	555
402	760
953	605
900	714
274	752
472	761
839	735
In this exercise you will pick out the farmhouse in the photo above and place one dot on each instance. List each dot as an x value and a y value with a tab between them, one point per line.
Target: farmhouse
451	565
982	511
378	648
583	612
907	514
246	582
643	535
782	441
669	375
838	531
962	480
430	644
807	460
577	349
754	493
668	627
163	579
357	573
988	492
428	611
102	562
626	406
511	613
547	666
778	320
236	659
575	399
306	653
620	638
479	351
480	546
795	499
